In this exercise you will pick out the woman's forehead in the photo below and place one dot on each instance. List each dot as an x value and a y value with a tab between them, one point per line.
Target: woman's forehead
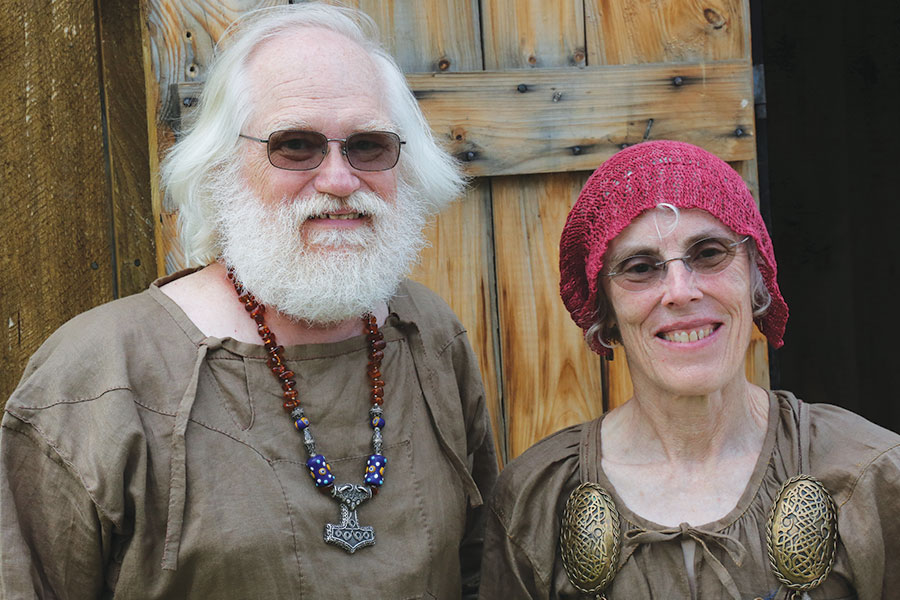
663	228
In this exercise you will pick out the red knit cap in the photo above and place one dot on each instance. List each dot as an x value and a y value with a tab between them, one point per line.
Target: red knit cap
637	179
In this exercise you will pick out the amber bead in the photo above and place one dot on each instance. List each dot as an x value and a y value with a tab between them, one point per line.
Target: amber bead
273	361
288	384
263	330
375	336
377	400
290	405
378	391
246	298
374	372
378	382
257	310
372	320
377	356
290	394
379	344
268	339
272	346
278	369
251	306
285	375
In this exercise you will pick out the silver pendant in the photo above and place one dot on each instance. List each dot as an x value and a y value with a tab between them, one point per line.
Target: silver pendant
349	535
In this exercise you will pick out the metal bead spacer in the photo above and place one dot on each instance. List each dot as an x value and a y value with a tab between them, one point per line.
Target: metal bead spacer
377	440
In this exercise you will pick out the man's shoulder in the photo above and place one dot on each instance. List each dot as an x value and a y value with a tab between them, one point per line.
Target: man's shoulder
417	303
94	352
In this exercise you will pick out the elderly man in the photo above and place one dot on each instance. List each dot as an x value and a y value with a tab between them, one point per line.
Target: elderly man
224	434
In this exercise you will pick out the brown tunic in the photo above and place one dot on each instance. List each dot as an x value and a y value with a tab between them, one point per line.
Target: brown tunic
139	457
858	462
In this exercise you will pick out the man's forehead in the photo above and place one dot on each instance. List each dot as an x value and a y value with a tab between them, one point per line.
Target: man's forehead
304	77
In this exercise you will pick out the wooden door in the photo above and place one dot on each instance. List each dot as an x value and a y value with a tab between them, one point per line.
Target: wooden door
532	96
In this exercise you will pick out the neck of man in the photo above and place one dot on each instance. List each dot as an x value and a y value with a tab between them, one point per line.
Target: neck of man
689	431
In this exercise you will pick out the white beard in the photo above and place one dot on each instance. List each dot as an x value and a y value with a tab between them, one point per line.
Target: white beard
320	276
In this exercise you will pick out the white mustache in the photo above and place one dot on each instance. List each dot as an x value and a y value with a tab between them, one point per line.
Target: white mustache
303	209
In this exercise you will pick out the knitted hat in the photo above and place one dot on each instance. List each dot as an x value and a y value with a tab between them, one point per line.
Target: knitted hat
637	179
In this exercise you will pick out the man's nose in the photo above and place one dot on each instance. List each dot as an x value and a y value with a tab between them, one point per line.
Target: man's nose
335	176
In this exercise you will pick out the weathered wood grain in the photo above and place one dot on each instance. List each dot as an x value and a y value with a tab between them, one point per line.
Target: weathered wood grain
56	258
551	379
552	120
647	31
125	100
428	35
521	34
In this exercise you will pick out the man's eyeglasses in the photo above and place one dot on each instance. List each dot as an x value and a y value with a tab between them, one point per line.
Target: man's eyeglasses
299	150
708	256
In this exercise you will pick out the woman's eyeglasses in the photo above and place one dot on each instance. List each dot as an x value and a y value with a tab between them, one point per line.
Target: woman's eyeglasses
299	150
707	256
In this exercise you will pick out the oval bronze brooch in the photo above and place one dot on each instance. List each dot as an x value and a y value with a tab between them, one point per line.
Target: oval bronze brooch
802	534
589	538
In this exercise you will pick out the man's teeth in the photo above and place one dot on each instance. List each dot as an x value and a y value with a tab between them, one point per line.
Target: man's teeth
687	336
341	217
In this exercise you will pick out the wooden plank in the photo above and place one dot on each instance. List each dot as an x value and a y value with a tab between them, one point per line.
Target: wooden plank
125	99
428	35
551	378
56	259
552	120
521	34
640	31
459	266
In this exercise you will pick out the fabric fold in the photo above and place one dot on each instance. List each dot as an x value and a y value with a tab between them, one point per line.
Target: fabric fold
178	461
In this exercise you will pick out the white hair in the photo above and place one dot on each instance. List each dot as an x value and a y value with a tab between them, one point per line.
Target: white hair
209	144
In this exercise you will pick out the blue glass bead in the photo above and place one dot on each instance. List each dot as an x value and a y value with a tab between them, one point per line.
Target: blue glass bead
375	470
377	422
320	471
301	423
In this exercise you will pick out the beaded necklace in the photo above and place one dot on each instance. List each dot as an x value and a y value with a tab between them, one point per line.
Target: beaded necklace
348	534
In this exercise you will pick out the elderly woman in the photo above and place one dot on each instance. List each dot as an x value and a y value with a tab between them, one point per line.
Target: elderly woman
702	485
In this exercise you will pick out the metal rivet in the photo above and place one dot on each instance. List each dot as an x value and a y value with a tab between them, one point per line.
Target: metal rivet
623	146
137	262
576	150
557	96
189	101
470	155
443	64
95	266
522	88
738	132
678	81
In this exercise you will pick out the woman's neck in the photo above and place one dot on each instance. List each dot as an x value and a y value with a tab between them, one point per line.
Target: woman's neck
656	426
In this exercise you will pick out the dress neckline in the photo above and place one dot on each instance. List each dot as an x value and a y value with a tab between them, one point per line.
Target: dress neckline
592	470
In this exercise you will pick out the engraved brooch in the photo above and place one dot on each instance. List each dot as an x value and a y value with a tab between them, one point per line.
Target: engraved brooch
589	538
802	534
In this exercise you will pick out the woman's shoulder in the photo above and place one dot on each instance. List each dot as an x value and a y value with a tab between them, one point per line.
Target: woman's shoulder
532	483
845	449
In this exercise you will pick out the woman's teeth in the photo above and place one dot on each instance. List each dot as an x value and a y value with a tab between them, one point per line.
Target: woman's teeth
683	337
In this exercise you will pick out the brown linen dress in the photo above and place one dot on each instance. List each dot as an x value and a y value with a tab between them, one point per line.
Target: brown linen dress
141	459
858	462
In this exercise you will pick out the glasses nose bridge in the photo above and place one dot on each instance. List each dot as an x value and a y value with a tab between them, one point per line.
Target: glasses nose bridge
341	141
